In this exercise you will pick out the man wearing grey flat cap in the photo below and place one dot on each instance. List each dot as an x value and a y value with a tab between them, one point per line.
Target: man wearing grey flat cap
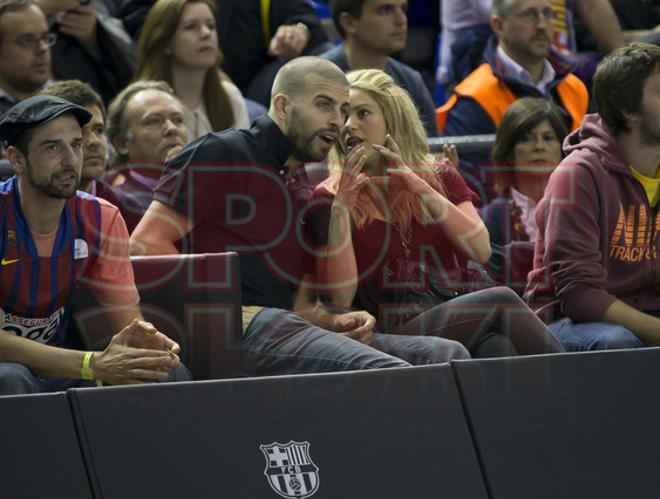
53	237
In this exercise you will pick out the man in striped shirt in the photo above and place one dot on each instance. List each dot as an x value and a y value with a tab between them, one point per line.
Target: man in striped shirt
51	238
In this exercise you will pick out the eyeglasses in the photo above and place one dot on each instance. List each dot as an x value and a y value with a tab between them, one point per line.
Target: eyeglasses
31	42
534	16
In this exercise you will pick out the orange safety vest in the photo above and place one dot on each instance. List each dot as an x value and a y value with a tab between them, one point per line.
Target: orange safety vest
495	97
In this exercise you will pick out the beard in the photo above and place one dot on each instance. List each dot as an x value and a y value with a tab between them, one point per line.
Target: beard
49	187
649	129
304	143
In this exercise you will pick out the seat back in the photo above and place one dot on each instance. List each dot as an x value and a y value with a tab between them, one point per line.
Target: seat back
194	299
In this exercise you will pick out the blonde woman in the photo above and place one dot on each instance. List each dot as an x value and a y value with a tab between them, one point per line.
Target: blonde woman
388	206
179	45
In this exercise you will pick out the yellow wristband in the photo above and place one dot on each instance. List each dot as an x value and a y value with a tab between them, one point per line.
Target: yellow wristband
85	370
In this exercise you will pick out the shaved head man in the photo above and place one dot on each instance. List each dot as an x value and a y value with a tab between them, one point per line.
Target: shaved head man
247	191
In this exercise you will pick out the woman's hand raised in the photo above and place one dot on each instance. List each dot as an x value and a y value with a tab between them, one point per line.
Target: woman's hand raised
401	175
352	179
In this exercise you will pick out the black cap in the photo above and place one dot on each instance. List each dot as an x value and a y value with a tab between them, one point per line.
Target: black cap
35	111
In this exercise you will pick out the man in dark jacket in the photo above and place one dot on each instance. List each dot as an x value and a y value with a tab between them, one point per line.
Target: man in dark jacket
595	264
92	46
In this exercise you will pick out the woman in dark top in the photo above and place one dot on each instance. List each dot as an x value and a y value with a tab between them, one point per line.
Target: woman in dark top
405	211
527	150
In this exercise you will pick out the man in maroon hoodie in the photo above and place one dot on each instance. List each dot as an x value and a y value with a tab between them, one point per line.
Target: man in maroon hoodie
595	266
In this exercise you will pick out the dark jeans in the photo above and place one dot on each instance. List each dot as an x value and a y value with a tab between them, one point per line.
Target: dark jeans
280	342
474	317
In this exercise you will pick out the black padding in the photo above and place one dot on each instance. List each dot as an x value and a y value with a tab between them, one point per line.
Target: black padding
395	433
194	299
581	425
39	454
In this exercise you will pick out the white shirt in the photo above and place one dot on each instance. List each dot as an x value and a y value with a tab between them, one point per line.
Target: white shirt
516	72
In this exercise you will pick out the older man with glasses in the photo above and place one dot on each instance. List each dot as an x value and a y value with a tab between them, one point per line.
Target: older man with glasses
519	62
25	57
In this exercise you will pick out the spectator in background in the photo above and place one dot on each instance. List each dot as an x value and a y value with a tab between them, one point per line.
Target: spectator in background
95	143
373	30
465	30
146	127
468	23
527	150
255	42
519	63
25	54
179	45
92	46
595	263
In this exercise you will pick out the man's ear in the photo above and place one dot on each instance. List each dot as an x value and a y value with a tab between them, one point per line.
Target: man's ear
120	145
17	160
497	25
631	118
347	22
281	107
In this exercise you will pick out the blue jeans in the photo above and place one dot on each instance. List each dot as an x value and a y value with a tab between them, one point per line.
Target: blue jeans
280	342
16	379
578	337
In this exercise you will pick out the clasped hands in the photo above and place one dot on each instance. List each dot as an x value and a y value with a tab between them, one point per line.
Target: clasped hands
358	325
139	353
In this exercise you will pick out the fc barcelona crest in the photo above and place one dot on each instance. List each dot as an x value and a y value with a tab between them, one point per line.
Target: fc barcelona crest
290	470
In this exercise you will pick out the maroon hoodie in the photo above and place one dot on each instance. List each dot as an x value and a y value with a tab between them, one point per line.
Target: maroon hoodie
597	239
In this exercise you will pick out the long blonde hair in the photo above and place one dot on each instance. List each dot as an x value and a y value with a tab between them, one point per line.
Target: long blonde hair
154	64
405	127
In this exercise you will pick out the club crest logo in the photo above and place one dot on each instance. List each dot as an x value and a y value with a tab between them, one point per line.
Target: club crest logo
290	470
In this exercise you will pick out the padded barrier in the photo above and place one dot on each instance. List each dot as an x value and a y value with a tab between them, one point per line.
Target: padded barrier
39	454
194	299
393	433
581	425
